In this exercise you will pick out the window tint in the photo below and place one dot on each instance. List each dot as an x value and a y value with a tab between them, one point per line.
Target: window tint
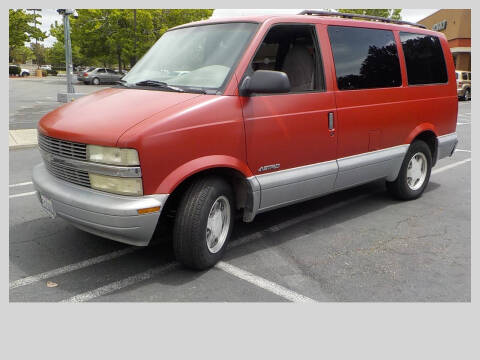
101	71
110	71
364	58
292	49
464	76
456	75
469	76
424	59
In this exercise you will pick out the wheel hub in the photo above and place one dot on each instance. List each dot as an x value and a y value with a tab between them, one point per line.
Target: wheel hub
416	171
218	224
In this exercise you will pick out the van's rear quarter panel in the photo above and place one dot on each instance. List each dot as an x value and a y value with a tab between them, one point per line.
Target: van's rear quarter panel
395	113
207	126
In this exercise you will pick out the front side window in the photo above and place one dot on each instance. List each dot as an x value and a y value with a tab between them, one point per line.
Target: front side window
424	59
293	50
364	58
196	57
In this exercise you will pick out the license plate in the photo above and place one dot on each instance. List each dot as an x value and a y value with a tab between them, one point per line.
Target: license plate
47	206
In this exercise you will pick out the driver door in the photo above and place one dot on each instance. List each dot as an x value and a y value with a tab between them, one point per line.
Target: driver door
291	148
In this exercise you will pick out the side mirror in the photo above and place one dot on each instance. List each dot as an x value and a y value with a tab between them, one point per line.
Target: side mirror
265	82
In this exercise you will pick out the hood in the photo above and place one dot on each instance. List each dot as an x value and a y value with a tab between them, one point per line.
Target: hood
102	117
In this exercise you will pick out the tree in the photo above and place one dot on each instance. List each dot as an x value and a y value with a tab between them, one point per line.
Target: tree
21	54
21	30
386	13
39	51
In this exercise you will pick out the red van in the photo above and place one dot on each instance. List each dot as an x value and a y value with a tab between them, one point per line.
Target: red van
240	116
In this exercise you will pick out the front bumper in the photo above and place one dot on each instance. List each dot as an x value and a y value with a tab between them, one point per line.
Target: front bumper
108	215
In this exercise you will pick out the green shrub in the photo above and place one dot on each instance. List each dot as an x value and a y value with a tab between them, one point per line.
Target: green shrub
52	72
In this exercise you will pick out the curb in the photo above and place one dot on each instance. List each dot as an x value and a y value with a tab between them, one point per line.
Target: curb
18	147
21	139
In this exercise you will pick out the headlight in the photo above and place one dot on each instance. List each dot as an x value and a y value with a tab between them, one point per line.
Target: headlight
116	185
112	155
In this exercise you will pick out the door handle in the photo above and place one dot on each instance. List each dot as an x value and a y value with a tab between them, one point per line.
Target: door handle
330	121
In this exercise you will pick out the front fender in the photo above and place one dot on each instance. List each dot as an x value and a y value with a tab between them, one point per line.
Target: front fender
192	167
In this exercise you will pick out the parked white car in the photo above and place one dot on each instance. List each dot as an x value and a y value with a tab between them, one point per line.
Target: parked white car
25	72
46	67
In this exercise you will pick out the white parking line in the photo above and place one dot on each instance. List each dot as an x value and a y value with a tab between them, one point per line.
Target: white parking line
120	284
22	194
447	167
463	123
462	150
21	184
263	283
72	267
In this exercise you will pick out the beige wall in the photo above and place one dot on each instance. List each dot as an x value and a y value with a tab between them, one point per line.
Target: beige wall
458	22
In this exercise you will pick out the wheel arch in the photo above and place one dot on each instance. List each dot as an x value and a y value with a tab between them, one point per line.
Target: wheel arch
427	133
234	171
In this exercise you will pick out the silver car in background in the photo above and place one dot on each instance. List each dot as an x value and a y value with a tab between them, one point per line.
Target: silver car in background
98	76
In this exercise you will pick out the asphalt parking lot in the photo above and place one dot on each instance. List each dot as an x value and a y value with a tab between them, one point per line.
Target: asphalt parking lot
31	98
356	245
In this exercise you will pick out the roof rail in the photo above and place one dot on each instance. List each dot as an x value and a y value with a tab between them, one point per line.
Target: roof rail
350	16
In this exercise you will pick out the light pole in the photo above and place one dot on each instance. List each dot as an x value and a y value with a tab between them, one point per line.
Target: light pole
70	95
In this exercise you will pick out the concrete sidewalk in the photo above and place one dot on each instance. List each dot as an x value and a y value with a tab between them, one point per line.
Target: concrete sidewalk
18	139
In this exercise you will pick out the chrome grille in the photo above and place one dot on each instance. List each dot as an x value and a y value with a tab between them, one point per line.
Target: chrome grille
63	148
71	175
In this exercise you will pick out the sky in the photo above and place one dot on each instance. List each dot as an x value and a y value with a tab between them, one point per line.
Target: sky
49	16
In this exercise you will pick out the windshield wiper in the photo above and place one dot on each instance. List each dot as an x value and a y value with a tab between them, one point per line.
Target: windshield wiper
159	84
121	82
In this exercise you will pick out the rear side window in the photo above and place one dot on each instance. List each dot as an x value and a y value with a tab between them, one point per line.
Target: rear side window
364	58
424	59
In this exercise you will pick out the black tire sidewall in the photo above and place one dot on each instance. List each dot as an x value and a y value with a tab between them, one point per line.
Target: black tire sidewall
405	191
190	245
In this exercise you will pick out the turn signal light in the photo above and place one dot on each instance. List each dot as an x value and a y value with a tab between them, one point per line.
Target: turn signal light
148	210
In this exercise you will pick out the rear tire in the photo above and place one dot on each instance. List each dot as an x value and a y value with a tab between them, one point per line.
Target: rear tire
204	222
468	95
414	173
96	81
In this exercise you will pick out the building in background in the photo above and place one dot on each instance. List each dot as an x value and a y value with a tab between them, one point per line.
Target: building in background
456	25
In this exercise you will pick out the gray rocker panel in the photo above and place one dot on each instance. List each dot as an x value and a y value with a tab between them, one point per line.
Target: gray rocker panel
362	168
286	186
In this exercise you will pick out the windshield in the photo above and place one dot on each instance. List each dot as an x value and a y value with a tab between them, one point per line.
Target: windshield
195	57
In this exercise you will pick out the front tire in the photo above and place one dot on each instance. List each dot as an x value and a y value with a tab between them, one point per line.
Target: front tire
468	95
414	173
203	223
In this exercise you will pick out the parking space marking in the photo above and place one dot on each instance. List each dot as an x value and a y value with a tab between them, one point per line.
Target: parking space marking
120	284
263	283
462	150
447	167
22	194
72	267
21	184
463	123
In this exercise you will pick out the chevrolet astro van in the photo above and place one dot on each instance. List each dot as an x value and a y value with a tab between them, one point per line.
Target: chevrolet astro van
234	117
